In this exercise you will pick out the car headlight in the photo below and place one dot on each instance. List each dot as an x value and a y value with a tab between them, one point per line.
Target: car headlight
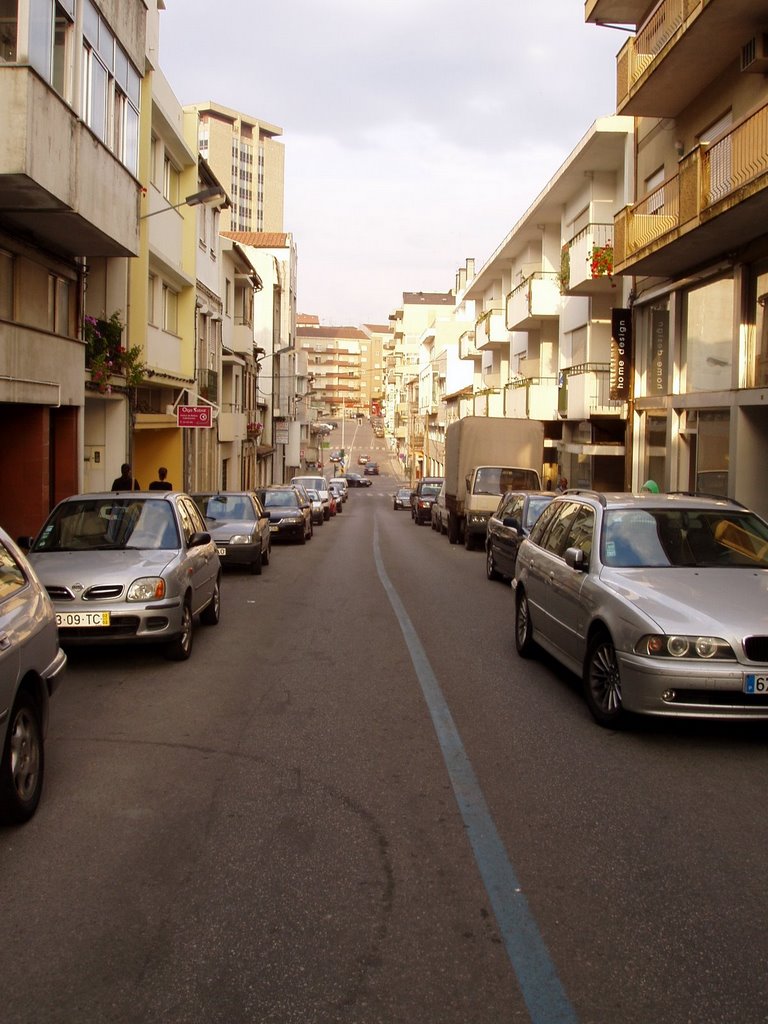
148	588
241	538
293	519
677	646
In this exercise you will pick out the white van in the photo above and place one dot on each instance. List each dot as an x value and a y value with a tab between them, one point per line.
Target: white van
319	484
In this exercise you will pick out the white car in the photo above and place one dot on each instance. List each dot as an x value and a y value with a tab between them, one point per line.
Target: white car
319	484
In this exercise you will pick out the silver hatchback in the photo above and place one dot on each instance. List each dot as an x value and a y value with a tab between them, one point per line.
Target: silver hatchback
129	568
658	601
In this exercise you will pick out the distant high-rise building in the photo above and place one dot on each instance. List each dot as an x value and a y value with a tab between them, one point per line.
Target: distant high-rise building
244	154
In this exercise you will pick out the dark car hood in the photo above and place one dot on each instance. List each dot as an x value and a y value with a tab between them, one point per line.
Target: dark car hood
219	529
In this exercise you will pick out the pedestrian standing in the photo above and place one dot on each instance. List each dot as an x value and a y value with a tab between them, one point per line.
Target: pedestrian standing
125	481
161	484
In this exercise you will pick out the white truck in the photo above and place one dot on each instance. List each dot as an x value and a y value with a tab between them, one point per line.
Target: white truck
486	456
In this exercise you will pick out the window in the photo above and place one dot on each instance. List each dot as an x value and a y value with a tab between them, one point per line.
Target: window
58	305
708	336
12	578
652	185
170	310
170	181
151	289
9	22
758	370
6	286
111	89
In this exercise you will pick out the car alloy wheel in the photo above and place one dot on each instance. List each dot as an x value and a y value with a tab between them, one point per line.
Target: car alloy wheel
181	648
490	569
211	613
523	630
23	763
602	682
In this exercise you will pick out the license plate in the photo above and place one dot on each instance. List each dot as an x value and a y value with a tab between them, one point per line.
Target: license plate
756	684
221	551
273	529
65	620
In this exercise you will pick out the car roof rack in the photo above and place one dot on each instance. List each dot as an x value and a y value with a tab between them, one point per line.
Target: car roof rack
588	492
707	494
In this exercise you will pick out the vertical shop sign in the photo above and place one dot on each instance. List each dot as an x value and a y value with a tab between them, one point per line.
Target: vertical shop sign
659	348
621	354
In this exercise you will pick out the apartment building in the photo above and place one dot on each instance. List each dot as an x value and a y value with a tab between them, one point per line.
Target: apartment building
692	242
372	368
71	89
276	401
544	303
336	358
401	362
248	159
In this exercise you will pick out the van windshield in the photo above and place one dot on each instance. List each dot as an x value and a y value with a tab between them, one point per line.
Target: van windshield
499	479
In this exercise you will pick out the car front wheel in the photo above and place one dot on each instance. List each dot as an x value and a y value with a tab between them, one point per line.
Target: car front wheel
523	630
602	683
22	768
181	648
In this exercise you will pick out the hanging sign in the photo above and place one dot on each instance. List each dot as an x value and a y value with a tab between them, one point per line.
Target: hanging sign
621	354
194	416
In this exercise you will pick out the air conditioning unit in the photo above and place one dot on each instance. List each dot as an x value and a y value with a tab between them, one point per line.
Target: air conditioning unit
754	54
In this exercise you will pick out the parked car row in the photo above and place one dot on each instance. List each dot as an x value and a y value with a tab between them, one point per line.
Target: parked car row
656	601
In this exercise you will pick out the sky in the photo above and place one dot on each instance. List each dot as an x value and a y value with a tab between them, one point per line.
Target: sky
416	132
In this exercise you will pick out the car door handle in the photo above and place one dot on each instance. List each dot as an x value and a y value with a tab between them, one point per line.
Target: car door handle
5	641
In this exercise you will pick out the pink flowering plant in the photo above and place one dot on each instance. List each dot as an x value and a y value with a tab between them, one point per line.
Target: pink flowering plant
105	355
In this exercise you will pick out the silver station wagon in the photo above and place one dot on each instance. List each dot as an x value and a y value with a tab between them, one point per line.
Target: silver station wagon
658	601
133	567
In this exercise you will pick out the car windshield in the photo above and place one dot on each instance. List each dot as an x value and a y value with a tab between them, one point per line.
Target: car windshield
104	524
701	538
498	479
225	506
274	499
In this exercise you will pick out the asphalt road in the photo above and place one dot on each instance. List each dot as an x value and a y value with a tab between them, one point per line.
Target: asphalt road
355	804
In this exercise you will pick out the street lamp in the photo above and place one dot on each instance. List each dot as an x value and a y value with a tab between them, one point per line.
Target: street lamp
205	196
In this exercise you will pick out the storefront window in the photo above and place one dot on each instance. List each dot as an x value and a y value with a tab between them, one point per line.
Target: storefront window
655	461
759	360
708	336
708	436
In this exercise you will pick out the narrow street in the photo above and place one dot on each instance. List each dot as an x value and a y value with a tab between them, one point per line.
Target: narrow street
279	829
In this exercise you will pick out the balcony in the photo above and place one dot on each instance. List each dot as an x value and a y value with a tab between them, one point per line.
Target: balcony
241	338
58	185
490	331
716	203
233	426
587	261
536	298
584	392
467	347
680	50
533	398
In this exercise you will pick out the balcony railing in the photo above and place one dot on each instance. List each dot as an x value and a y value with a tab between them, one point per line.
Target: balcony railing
532	398
490	329
584	391
711	180
537	297
467	347
578	274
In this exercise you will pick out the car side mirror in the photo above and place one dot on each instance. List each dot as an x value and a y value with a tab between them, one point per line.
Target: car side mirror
25	543
198	538
574	558
512	523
